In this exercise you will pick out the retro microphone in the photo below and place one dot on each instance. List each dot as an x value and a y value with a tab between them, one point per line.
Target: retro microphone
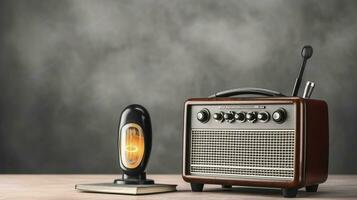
134	144
306	53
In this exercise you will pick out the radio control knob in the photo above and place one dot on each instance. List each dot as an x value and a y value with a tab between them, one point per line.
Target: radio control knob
279	115
203	115
263	116
251	117
240	116
218	117
229	116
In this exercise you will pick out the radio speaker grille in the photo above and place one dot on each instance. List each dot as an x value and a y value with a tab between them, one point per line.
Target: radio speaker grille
236	153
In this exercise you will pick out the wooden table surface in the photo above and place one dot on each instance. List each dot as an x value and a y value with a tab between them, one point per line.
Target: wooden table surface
40	187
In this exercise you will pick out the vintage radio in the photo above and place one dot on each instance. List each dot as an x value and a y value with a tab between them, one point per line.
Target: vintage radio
272	141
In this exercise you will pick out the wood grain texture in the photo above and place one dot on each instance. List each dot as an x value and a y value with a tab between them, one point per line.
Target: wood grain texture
317	142
53	187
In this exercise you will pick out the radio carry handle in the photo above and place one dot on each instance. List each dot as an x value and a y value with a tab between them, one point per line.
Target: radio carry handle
244	91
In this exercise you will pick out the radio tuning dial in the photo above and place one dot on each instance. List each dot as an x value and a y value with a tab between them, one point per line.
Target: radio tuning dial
229	117
251	117
203	115
240	117
279	115
218	117
263	116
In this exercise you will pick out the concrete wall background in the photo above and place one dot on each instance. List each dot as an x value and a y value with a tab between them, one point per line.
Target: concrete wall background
68	68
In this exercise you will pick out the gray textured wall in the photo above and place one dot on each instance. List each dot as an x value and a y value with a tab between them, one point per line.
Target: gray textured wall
69	67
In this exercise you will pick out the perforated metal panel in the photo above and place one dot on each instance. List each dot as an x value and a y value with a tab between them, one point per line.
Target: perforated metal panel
250	153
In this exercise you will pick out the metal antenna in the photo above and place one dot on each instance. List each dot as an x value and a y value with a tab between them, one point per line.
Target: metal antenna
306	53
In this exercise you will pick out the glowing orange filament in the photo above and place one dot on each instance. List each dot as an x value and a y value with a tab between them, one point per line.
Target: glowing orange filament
132	145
